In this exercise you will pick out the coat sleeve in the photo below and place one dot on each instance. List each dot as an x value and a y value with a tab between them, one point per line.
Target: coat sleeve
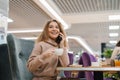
64	59
35	60
115	52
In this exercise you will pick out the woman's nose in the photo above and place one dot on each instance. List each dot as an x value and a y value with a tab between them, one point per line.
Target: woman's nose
54	28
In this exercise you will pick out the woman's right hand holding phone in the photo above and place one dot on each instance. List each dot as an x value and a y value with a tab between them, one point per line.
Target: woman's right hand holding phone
62	41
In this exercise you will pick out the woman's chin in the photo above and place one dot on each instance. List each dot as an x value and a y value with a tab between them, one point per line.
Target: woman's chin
53	38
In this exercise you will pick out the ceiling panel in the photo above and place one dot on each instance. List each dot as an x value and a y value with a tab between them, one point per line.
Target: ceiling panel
26	15
86	6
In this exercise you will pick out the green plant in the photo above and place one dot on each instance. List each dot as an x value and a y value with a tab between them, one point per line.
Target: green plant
107	53
111	75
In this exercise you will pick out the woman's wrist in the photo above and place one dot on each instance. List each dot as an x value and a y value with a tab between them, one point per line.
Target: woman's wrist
61	46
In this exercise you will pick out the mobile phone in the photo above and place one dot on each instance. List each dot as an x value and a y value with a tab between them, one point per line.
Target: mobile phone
58	39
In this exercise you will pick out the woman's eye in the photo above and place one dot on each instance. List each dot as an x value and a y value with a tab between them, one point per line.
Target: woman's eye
57	27
53	27
50	26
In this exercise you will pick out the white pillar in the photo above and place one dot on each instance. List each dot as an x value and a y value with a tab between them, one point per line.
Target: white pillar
4	7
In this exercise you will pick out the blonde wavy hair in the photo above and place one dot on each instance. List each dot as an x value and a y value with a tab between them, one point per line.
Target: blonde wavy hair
44	35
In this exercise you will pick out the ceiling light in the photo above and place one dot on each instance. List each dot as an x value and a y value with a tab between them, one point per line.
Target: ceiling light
114	27
113	42
29	38
4	19
50	9
9	20
24	31
114	17
113	34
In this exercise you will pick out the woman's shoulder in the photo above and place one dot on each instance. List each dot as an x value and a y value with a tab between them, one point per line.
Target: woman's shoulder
41	43
117	47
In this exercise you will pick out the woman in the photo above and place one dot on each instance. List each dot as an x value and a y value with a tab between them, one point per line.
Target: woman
114	56
116	51
43	61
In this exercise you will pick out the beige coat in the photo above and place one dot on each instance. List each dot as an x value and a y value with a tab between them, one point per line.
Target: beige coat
45	69
116	51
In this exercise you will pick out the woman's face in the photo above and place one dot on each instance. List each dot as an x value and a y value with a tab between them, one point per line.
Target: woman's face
53	30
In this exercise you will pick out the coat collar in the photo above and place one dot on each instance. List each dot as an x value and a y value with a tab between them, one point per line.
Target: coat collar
52	42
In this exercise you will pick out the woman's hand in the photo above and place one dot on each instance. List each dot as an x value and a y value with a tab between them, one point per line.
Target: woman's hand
63	40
